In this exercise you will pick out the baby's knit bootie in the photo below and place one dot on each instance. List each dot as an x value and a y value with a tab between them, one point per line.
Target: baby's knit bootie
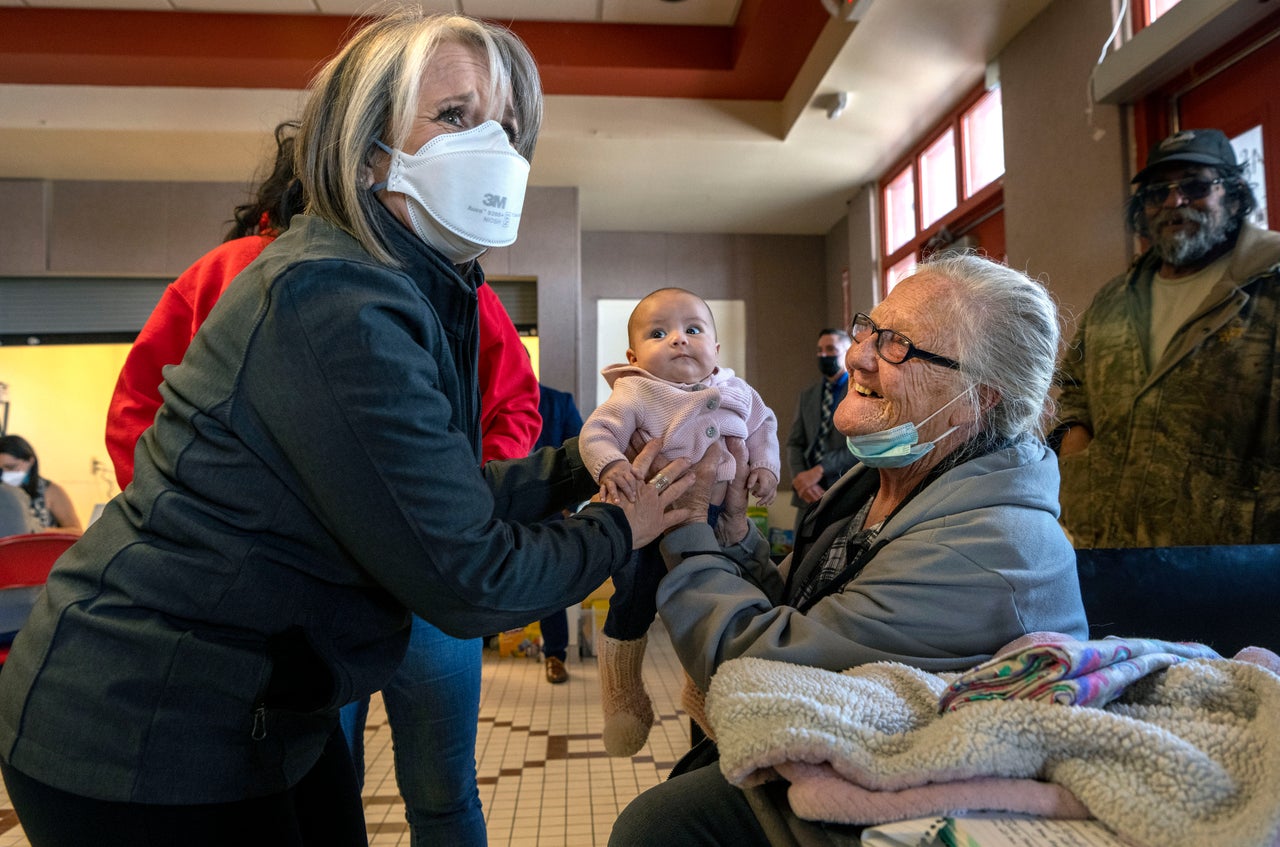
628	712
694	701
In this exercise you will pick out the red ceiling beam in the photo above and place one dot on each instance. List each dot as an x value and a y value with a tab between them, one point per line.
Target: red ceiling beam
755	59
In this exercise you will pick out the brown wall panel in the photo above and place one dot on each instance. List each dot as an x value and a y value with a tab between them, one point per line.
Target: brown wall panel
22	221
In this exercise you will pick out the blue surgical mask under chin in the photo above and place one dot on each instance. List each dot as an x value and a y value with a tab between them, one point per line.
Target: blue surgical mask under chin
896	447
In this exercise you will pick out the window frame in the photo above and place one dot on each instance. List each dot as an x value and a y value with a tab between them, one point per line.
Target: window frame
968	210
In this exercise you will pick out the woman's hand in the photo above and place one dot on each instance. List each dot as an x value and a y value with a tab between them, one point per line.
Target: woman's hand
733	525
657	506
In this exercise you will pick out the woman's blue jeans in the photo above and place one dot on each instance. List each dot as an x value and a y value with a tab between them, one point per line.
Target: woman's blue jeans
433	708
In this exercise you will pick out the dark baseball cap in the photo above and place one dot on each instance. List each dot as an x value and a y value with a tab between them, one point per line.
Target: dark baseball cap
1198	146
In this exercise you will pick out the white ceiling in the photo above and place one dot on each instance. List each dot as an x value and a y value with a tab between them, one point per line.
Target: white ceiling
640	163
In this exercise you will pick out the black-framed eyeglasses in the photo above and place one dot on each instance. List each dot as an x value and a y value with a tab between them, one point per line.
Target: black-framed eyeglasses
892	346
1192	188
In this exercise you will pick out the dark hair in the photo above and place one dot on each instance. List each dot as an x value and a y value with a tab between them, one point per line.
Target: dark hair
1238	190
279	196
631	321
838	333
19	448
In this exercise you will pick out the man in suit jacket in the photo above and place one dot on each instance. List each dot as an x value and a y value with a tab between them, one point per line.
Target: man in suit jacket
816	452
560	420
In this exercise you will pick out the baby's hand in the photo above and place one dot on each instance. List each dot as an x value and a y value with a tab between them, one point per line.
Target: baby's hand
619	479
763	484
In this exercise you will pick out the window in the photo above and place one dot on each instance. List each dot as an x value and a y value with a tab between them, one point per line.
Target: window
899	272
938	178
1156	8
983	133
946	188
900	209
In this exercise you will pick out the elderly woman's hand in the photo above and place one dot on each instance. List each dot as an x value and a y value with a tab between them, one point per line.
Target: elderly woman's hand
733	524
657	505
696	500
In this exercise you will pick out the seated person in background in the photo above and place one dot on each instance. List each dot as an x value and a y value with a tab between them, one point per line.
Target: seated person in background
15	512
50	505
671	388
938	549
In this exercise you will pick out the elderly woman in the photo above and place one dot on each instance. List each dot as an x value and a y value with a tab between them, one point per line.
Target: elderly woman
939	548
312	476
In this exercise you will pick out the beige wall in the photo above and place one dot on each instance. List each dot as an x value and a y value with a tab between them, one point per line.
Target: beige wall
97	227
1066	177
862	256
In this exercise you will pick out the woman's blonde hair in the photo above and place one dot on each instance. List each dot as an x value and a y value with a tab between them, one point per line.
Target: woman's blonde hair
370	90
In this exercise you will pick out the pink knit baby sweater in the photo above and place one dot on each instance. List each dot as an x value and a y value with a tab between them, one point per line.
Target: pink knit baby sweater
687	417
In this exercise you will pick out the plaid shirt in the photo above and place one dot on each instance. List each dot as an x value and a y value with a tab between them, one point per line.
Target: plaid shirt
837	557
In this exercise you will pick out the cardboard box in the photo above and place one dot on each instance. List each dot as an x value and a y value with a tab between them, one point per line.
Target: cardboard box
525	642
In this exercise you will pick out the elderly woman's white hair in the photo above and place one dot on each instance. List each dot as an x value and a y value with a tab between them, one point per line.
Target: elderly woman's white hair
370	90
1006	329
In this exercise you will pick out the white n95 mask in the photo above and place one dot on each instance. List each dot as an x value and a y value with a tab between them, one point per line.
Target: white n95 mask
465	190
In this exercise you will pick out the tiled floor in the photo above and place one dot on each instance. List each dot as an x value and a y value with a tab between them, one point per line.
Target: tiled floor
545	779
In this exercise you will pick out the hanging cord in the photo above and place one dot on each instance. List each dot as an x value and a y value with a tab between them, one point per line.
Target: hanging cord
1098	132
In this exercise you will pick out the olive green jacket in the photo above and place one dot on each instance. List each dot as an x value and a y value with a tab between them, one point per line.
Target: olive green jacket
1188	452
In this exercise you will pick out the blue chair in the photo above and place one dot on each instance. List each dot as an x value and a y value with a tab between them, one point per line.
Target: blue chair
1227	597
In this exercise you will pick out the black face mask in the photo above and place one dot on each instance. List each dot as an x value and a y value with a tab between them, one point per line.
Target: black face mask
829	365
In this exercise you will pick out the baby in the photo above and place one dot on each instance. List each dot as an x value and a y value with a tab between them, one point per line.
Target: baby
672	388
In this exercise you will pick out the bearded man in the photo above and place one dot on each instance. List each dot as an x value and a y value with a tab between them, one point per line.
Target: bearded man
1170	404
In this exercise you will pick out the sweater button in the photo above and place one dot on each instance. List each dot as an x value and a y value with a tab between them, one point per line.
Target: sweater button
712	403
711	432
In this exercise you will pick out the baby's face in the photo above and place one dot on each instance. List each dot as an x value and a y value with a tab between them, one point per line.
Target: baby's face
674	338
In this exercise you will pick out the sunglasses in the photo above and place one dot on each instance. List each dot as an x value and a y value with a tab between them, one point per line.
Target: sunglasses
1192	188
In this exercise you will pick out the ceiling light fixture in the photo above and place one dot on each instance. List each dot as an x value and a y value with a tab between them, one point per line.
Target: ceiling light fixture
839	103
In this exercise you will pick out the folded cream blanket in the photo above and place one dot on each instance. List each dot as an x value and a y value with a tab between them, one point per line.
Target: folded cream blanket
1186	756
